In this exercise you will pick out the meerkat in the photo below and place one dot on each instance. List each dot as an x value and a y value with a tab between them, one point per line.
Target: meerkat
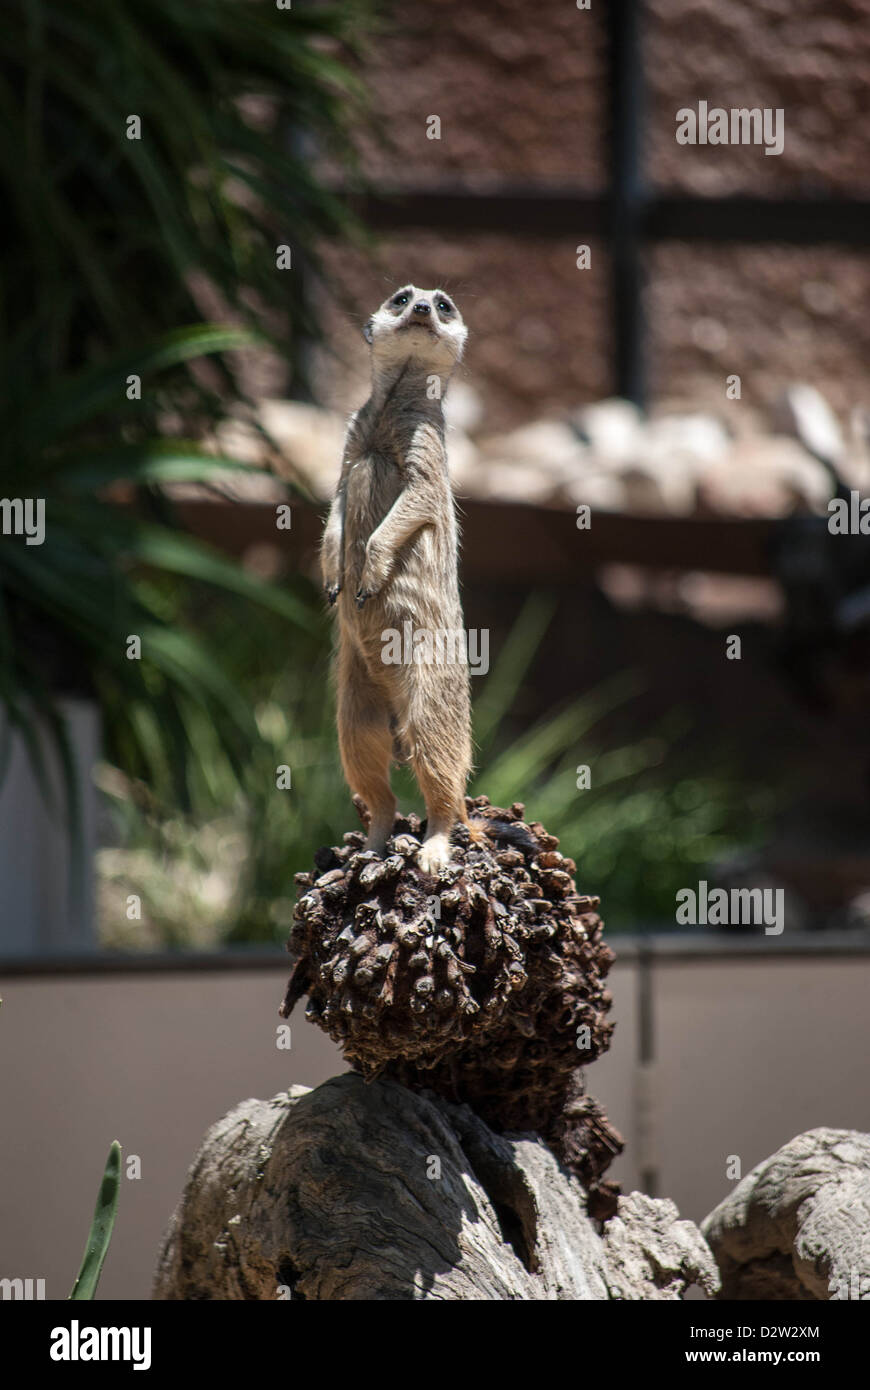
389	557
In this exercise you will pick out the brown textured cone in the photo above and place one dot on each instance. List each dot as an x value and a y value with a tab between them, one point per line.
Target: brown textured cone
484	984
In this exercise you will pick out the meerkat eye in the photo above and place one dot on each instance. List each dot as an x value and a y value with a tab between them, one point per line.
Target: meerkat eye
401	299
444	306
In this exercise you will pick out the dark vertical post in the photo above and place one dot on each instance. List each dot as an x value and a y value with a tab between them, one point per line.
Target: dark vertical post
626	195
302	146
645	1099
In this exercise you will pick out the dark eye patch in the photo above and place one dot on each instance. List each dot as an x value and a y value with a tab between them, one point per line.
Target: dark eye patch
444	306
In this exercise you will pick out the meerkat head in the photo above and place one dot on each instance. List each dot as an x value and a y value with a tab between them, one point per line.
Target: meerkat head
422	325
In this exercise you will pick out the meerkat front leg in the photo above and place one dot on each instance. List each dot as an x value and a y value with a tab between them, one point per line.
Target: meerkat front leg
411	510
332	547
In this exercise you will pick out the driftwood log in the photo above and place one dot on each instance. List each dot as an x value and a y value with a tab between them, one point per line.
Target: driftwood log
798	1226
462	1158
376	1191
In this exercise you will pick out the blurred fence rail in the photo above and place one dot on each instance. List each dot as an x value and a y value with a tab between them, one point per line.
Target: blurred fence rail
509	541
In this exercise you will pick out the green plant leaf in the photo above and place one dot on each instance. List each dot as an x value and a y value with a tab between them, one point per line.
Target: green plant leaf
102	1225
154	461
99	387
110	244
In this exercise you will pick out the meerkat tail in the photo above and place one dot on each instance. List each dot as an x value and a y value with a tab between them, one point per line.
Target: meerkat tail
477	831
497	832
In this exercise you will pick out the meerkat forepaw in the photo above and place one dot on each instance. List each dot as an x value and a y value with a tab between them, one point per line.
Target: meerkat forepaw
434	854
332	592
375	571
361	596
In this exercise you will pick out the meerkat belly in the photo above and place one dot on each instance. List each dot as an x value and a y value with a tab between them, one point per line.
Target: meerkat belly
423	586
420	597
372	488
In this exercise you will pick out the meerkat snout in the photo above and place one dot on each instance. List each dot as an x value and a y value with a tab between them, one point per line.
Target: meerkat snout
420	325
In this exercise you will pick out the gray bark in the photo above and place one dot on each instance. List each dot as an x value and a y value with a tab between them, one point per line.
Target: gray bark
798	1226
355	1191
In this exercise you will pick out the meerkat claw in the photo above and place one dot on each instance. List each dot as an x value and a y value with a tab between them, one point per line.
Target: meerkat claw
434	854
361	596
332	592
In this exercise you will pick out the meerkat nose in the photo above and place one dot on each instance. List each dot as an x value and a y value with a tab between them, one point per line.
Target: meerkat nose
422	307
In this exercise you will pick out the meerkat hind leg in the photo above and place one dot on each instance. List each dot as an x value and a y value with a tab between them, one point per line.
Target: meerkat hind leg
439	735
445	805
366	744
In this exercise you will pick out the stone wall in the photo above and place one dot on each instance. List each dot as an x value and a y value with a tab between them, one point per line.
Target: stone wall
521	91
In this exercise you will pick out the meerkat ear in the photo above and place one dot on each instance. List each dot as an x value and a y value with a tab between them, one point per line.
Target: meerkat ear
368	331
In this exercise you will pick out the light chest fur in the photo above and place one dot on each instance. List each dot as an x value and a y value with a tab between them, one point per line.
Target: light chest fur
383	461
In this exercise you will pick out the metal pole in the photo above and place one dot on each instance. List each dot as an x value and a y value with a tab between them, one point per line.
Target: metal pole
627	197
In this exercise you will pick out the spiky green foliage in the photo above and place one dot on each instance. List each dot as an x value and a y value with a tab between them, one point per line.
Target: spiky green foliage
645	827
110	244
100	1234
110	241
69	607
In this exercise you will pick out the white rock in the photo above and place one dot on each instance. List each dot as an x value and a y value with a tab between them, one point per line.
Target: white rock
613	429
767	476
807	414
547	445
236	439
310	439
686	436
643	492
463	408
671	451
508	482
463	459
602	491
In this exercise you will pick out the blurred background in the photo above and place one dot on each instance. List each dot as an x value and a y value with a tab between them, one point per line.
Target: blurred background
207	208
203	206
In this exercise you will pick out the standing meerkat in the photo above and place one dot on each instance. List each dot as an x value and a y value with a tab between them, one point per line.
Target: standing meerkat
389	558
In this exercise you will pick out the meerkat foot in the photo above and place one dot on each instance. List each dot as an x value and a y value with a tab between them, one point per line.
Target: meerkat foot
380	829
361	596
434	854
332	592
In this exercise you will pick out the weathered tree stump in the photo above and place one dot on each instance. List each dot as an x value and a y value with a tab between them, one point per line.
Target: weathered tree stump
798	1226
375	1191
484	983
